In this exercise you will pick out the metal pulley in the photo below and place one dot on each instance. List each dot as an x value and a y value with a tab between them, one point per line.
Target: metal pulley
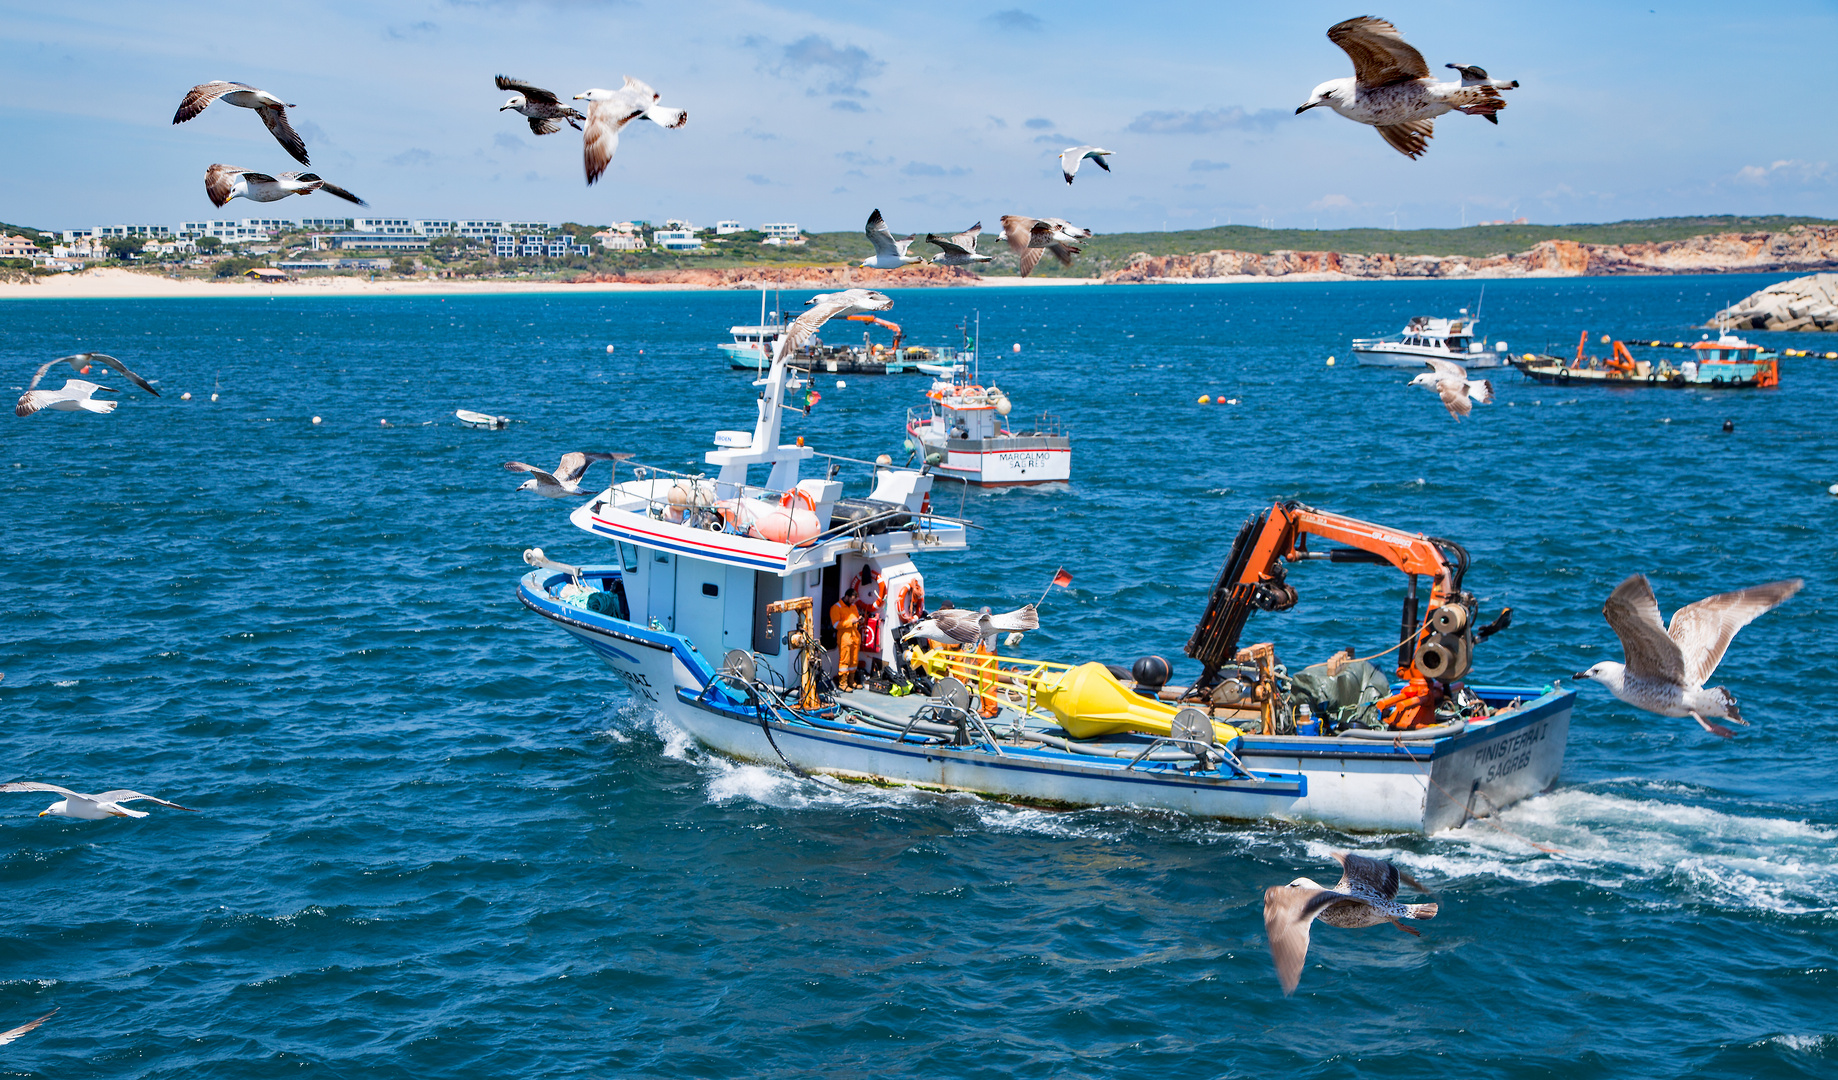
1450	619
1444	656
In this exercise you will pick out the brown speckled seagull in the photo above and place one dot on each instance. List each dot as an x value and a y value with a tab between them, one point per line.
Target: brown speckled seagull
1366	896
540	107
271	109
1391	88
225	182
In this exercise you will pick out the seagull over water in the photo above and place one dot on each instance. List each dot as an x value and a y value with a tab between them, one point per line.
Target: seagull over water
1031	238
566	479
1391	88
1451	383
225	182
823	308
1667	665
90	807
75	395
955	626
271	109
959	250
1365	896
540	107
1070	157
889	254
9	1036
609	111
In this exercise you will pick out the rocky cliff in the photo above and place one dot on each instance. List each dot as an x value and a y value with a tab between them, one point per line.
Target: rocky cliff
793	277
1802	247
1808	303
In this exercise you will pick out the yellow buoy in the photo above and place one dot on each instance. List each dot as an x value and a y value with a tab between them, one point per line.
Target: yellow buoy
1330	361
1206	399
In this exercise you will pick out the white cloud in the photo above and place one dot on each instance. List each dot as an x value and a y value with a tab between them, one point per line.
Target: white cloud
1786	171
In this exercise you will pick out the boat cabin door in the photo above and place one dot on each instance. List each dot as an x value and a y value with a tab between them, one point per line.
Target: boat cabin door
660	588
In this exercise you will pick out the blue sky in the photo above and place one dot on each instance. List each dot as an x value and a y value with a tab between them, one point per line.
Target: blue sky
938	113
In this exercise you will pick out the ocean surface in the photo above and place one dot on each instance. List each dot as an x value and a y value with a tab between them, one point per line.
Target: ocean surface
437	839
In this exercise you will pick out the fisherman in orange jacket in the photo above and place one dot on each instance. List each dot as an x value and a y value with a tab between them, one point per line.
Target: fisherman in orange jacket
847	619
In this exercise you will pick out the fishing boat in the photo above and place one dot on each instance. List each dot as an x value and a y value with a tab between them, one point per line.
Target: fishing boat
485	421
728	610
1426	337
752	346
963	432
1728	363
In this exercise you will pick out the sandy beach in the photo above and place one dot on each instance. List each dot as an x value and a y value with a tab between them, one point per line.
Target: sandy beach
117	284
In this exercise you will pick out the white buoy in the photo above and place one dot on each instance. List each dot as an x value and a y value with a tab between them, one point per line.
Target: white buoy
1017	346
186	396
1330	361
609	348
315	419
213	397
1833	490
385	423
841	385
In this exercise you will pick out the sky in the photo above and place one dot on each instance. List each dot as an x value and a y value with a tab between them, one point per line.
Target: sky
940	113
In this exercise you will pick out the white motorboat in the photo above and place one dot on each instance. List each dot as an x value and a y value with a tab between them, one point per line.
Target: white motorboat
721	611
485	421
1426	337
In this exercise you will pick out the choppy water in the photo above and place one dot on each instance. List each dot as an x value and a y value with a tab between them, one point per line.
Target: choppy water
438	841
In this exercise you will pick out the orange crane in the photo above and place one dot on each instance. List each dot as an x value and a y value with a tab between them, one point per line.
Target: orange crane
898	334
1431	652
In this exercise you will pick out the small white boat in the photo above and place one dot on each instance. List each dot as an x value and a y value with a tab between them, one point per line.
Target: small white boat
484	421
963	432
1426	337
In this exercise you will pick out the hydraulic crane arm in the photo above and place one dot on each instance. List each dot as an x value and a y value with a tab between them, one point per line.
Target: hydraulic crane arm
898	334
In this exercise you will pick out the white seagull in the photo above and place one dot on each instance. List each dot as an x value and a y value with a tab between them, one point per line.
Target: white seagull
955	626
1031	238
1070	157
271	109
609	111
1667	665
959	250
1451	383
1366	896
1391	88
9	1036
540	107
75	394
823	308
566	479
225	182
889	254
90	807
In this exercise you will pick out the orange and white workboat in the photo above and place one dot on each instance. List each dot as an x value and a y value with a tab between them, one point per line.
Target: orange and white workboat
1728	363
964	432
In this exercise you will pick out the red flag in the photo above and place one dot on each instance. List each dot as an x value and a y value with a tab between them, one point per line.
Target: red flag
1062	578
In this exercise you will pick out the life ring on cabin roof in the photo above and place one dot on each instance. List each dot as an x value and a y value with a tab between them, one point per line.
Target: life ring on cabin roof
796	494
909	602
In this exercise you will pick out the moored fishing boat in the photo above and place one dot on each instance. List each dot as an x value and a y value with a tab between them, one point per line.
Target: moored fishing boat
1729	363
963	433
744	613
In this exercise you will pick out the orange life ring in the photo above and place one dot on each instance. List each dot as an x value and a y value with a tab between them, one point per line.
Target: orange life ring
794	495
909	603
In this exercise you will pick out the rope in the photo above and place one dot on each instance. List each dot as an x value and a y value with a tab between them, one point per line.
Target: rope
1398	744
1416	637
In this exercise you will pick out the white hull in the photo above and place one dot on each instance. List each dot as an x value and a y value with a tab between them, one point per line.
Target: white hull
1004	461
1342	783
1411	357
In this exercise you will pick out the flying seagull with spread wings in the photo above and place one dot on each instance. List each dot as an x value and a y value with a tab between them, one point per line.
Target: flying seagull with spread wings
609	111
75	394
1391	88
225	182
823	308
1365	896
566	479
1451	383
1031	238
271	109
1667	665
540	107
1070	157
889	253
959	250
90	807
9	1036
956	626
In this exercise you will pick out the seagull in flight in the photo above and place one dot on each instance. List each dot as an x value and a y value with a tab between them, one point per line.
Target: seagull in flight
566	479
75	394
1031	238
823	308
889	254
1366	895
271	109
1391	88
1472	75
1451	383
955	626
1667	665
9	1036
90	807
225	182
609	111
1070	157
959	250
540	107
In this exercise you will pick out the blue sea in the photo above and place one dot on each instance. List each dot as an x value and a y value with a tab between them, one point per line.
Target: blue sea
437	839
